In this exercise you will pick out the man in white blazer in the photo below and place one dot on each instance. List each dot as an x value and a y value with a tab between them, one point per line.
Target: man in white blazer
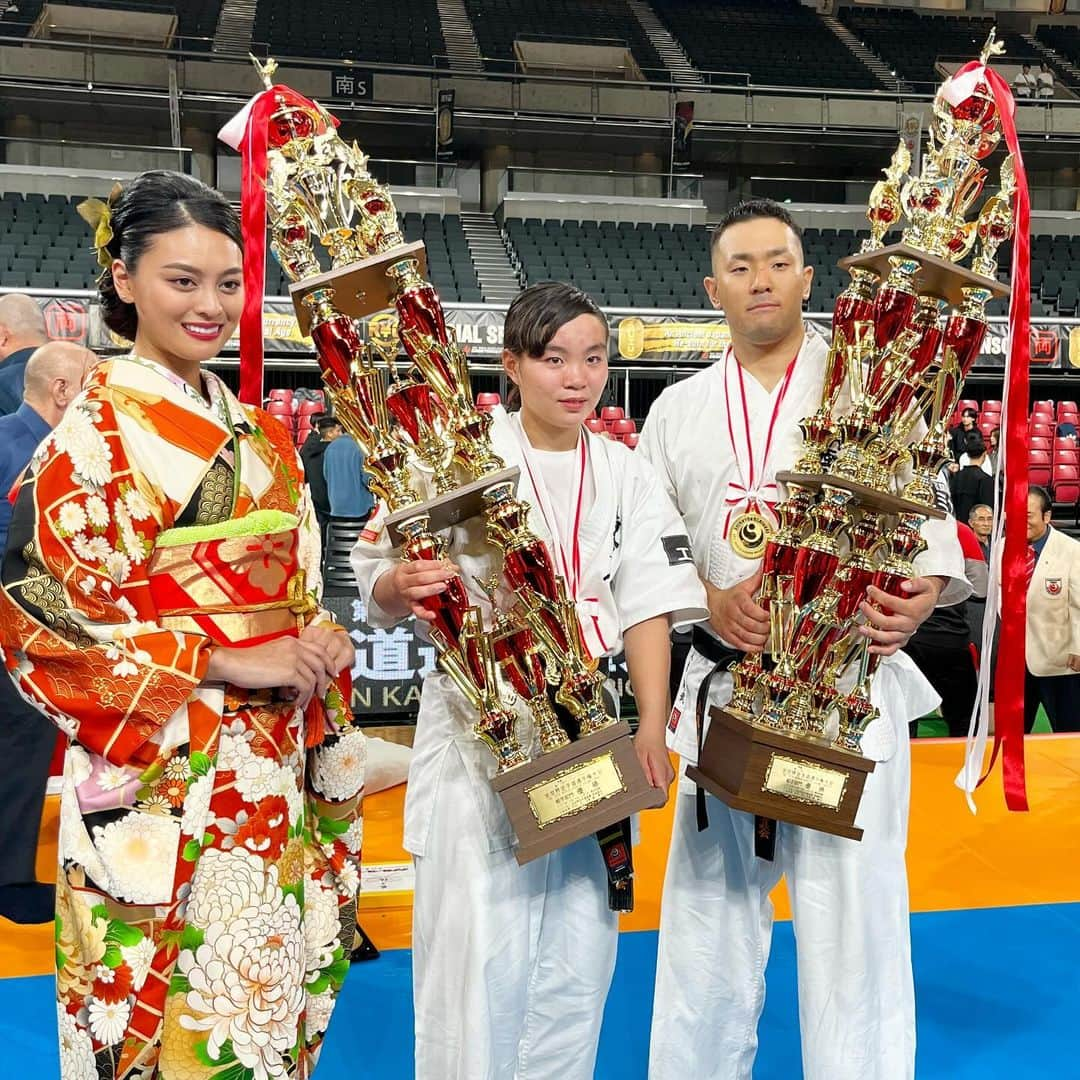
1053	620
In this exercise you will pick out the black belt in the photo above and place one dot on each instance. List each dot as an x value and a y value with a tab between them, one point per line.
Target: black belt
712	648
722	658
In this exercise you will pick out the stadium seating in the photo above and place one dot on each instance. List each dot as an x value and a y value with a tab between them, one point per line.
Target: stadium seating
195	18
382	30
911	42
1064	40
498	25
743	36
622	265
43	238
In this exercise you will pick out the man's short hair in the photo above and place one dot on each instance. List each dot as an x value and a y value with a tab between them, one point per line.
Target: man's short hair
973	444
748	210
325	423
973	413
1037	491
976	508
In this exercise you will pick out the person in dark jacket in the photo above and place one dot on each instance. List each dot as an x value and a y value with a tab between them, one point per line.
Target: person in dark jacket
327	429
971	485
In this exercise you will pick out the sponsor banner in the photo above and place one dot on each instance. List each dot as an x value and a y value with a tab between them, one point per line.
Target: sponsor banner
390	664
693	337
682	135
444	124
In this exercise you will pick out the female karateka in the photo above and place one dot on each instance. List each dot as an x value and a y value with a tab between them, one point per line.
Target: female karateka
159	605
511	964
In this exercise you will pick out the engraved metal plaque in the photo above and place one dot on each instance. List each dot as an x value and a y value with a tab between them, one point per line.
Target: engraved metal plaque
805	782
576	788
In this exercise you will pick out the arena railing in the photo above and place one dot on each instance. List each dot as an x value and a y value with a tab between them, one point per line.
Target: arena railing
657	185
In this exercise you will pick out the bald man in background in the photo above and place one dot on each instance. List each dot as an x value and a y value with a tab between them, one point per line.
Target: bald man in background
22	330
53	377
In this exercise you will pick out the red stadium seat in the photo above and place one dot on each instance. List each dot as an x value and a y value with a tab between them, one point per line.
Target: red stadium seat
282	411
610	413
1039	468
307	409
1065	483
991	407
487	401
1067	409
631	440
281	393
595	425
621	428
1041	443
1039	430
1045	406
966	403
986	426
1064	444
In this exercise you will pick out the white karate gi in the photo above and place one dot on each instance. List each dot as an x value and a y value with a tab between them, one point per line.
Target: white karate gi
849	898
511	965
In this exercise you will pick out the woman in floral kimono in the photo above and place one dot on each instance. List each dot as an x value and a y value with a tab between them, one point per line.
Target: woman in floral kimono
159	605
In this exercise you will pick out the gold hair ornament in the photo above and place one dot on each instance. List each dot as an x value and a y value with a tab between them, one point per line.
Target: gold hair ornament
98	215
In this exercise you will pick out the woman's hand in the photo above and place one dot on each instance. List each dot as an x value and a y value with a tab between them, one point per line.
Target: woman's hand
299	668
655	761
403	590
335	644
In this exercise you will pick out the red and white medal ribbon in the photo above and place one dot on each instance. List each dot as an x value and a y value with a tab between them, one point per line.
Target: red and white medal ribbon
750	491
569	563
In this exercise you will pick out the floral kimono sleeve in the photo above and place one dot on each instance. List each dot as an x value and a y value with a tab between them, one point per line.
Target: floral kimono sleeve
80	629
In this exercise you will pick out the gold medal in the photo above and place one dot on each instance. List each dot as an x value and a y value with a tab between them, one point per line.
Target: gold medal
749	535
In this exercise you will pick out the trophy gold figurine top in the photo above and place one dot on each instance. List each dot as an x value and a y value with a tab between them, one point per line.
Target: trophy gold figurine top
524	668
905	333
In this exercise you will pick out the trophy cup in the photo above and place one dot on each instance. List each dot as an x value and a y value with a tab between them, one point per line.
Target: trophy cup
905	334
565	766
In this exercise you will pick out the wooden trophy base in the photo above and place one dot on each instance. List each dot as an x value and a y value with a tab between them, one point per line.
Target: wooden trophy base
936	276
864	495
445	511
766	772
360	288
584	787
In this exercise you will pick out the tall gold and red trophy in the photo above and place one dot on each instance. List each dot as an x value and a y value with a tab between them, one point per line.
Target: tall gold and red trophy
905	334
525	667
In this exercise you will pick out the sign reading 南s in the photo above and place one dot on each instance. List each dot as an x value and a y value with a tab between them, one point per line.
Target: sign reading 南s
351	84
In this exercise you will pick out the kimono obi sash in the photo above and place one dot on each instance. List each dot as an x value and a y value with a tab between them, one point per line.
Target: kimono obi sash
238	582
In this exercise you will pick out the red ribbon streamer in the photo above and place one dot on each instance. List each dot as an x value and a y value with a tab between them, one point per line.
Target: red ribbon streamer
253	227
1009	684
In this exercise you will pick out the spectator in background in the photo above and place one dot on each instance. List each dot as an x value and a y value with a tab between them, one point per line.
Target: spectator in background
1024	85
53	376
1066	430
1053	619
1045	81
22	330
941	646
346	482
986	465
327	429
981	520
972	484
958	435
992	451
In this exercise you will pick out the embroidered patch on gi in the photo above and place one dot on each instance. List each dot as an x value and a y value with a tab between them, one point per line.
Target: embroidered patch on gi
678	549
1053	586
617	856
673	722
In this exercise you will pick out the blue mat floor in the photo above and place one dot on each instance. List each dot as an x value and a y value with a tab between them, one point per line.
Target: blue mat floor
997	993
